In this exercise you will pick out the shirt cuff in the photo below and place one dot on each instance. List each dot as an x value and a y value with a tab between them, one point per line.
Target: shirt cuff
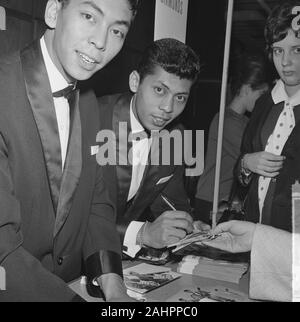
101	263
130	246
271	264
244	176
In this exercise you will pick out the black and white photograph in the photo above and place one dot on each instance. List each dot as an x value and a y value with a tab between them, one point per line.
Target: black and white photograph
149	147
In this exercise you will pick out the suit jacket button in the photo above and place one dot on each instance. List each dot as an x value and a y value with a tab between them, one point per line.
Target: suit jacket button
60	261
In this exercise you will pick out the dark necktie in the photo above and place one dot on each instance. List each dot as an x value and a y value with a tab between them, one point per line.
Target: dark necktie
68	93
65	92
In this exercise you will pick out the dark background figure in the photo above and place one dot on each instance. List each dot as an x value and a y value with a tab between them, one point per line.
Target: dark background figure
249	80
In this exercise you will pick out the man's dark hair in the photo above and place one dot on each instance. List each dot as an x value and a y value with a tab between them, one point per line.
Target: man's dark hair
279	23
64	2
133	4
248	69
171	55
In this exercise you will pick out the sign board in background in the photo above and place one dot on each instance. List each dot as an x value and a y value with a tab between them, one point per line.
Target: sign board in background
2	279
2	19
171	19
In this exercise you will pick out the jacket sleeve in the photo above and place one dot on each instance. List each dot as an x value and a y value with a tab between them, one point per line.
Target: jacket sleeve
174	190
271	264
247	144
102	249
26	277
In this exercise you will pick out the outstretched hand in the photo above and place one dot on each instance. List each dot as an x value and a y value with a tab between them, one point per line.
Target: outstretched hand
235	236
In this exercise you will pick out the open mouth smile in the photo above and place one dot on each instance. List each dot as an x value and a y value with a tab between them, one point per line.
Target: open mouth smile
86	59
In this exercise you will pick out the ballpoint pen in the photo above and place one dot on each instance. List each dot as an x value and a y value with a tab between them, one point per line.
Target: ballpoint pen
168	202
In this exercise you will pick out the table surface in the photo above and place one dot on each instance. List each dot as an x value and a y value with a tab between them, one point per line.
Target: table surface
167	292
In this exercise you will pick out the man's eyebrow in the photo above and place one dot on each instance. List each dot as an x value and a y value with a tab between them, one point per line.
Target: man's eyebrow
164	85
123	22
167	87
93	5
100	11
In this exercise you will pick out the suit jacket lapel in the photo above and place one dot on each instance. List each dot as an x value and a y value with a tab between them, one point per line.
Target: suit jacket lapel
144	192
148	188
72	169
150	175
41	101
262	119
123	168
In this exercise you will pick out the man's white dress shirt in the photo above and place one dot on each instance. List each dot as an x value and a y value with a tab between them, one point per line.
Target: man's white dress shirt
140	153
62	109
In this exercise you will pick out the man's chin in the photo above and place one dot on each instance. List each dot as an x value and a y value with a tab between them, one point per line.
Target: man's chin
154	129
81	74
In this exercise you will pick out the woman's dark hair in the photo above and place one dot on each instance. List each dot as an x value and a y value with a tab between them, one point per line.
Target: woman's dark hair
171	55
251	69
279	23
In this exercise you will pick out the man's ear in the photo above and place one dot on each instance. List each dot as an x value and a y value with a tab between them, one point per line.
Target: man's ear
134	81
51	13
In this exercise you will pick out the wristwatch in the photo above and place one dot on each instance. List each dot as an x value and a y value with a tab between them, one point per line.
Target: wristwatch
244	171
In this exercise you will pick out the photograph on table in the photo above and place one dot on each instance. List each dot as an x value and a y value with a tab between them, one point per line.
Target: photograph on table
209	294
144	278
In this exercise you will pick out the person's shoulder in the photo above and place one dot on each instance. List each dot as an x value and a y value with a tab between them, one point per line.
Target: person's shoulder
266	97
234	118
263	102
112	99
108	103
9	59
214	124
8	63
10	77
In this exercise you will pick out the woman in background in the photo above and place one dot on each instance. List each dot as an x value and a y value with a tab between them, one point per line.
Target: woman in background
248	83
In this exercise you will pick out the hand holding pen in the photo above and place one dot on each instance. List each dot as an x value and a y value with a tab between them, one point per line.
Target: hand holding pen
183	214
197	225
170	227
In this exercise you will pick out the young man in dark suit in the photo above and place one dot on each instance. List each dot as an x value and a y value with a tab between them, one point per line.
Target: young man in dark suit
161	86
56	218
269	163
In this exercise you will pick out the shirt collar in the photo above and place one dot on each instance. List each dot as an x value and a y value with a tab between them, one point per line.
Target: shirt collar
57	81
136	126
279	95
